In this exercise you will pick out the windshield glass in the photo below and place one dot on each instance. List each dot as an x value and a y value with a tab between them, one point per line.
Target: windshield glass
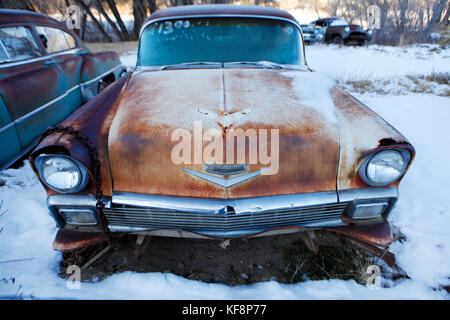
220	40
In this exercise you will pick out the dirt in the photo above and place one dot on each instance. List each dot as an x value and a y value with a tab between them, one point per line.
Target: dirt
283	258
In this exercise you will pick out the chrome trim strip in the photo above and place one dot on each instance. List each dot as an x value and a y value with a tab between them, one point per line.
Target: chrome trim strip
221	206
367	194
87	83
71	201
7	127
295	23
228	234
217	206
226	169
44	57
18	63
46	105
61	97
240	205
225	182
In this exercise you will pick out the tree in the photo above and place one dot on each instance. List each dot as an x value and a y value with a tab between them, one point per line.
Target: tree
438	8
99	26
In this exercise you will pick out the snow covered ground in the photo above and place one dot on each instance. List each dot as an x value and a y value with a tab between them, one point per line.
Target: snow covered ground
29	267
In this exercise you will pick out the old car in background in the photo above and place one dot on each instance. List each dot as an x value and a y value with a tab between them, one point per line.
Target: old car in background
46	73
219	73
338	31
358	36
312	33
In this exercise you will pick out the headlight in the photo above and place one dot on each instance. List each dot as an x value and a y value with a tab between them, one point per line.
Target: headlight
62	173
384	167
347	29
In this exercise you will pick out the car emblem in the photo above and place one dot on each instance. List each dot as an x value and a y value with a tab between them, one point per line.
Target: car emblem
223	181
226	170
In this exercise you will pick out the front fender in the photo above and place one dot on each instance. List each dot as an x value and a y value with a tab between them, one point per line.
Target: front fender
93	121
362	132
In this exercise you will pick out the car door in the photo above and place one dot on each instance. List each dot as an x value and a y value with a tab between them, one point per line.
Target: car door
29	87
64	51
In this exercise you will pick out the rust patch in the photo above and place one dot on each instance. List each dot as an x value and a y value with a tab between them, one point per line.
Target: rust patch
92	120
69	240
361	132
378	234
143	163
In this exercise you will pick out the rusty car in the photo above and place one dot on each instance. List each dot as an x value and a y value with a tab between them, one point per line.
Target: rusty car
137	159
46	73
339	31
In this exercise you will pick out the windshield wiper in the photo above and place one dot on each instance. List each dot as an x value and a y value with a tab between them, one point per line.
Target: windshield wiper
263	64
190	64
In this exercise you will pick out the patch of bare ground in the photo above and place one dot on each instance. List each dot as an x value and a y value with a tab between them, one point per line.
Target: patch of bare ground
437	83
283	258
119	47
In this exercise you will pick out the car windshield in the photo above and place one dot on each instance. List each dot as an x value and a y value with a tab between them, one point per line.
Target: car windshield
220	40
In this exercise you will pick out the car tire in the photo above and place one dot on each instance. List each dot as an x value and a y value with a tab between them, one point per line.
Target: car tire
337	39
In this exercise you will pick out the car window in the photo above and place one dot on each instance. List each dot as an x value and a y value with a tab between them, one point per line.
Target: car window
70	40
339	23
220	40
17	43
55	39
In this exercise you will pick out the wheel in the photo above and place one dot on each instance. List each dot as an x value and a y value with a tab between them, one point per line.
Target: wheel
337	39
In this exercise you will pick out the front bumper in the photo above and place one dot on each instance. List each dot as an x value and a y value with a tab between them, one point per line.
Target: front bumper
313	37
228	218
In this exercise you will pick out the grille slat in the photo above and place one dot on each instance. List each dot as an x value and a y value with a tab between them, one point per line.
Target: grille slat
227	222
162	219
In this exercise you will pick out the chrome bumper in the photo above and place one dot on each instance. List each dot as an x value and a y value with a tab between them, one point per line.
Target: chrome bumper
228	218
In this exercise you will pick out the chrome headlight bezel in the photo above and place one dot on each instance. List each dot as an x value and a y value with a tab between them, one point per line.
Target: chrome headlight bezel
405	154
81	169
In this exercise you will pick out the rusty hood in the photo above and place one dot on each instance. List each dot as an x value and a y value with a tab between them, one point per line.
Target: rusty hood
158	111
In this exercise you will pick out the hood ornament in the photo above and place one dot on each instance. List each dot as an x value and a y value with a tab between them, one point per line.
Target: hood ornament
226	119
223	181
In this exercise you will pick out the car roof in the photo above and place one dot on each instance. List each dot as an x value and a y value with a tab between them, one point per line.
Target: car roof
219	9
327	19
12	15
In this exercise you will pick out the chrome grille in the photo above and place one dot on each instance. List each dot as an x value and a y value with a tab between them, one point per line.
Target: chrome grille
191	221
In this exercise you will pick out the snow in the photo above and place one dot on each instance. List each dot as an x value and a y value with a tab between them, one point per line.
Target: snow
421	214
313	90
129	59
377	61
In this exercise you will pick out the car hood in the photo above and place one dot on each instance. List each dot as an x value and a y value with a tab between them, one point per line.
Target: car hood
157	108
